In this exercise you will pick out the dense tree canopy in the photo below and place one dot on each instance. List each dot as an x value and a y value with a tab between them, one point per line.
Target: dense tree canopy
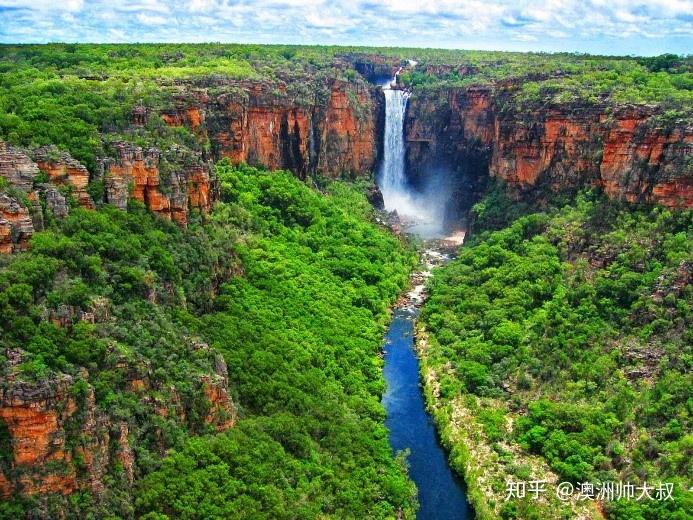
289	284
577	325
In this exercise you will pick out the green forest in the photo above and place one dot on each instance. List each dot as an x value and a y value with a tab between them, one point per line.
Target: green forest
79	97
289	284
567	334
230	365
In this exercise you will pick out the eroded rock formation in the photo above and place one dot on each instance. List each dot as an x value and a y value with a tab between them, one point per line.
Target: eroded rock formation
16	226
22	191
63	170
17	174
37	416
630	151
57	440
137	173
334	130
170	184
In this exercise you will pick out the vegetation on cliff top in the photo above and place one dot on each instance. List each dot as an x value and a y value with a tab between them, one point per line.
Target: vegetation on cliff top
79	97
567	335
542	78
290	285
71	95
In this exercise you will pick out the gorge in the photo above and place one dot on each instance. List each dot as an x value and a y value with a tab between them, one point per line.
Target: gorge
440	493
457	137
194	288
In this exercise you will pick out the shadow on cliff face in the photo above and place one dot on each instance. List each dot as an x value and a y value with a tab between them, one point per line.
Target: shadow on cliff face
441	163
450	187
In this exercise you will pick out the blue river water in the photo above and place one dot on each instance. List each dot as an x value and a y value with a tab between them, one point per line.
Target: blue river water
441	492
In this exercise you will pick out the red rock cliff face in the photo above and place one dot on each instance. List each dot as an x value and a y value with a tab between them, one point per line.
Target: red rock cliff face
20	210
186	183
61	441
21	213
625	149
37	416
16	226
349	130
657	160
134	172
334	131
63	170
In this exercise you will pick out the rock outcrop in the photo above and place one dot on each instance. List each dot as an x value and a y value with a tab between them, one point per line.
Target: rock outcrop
16	226
349	130
170	184
63	170
645	159
57	440
36	415
335	130
222	413
22	191
628	150
137	173
17	173
17	168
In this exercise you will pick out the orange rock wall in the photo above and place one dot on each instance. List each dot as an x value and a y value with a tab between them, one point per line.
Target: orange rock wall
350	135
16	226
35	417
624	149
222	412
21	213
135	173
632	144
60	442
261	124
63	170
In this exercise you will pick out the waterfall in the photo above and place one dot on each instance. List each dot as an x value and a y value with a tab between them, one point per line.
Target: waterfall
421	212
393	180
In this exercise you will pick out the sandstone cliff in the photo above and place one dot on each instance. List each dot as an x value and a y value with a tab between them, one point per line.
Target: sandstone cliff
630	151
170	183
327	126
16	226
334	129
43	419
58	440
20	209
187	182
63	170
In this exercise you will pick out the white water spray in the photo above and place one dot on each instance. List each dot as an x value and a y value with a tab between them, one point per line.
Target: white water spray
392	176
422	214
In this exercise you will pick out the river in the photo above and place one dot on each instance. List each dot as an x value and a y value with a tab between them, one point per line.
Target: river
441	493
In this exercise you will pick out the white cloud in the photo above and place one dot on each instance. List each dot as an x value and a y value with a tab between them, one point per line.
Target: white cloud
141	5
45	5
148	19
599	25
201	6
525	37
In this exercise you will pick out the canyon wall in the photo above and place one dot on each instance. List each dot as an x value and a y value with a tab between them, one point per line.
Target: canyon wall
335	128
328	126
630	151
21	193
185	184
40	180
55	439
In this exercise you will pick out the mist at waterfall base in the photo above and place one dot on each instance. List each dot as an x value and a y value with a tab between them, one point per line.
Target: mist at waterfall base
422	209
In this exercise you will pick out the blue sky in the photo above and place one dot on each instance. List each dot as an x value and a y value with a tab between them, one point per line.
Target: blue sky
596	26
